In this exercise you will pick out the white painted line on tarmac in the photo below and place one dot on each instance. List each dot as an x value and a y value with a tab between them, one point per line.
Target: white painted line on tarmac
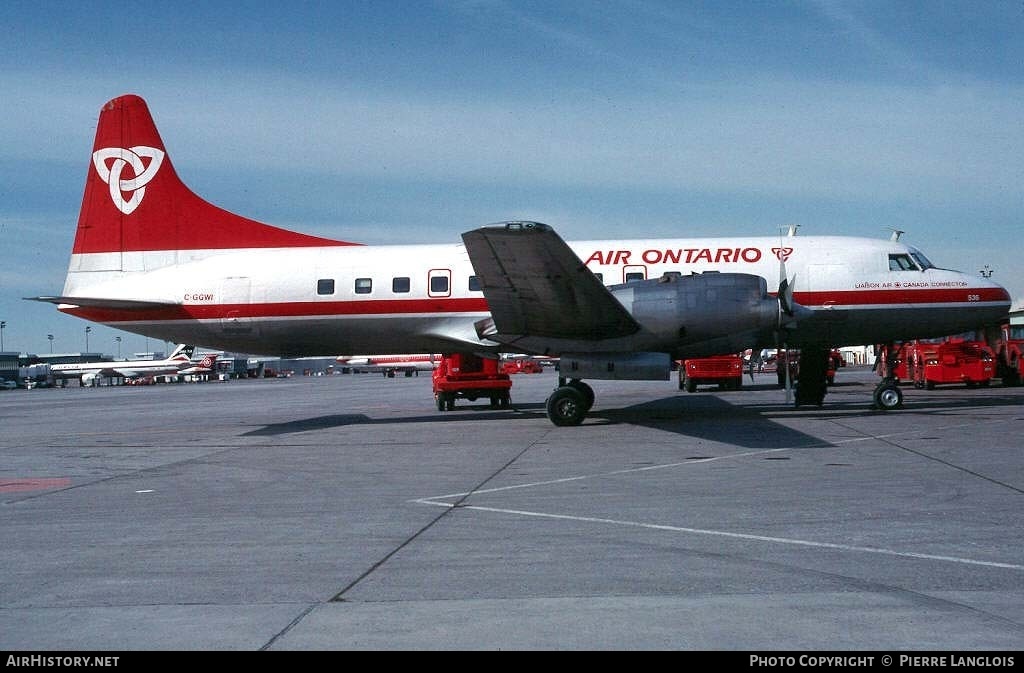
648	468
738	536
434	500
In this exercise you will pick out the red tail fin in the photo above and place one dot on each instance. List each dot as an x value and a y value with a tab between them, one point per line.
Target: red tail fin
134	201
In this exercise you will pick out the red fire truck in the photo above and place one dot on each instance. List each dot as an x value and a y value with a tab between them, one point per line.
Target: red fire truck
724	370
467	376
1010	355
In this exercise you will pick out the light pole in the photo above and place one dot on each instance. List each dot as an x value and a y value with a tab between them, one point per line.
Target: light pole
3	324
87	330
50	337
118	340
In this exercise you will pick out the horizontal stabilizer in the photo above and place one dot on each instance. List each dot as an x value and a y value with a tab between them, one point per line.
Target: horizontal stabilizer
535	285
99	302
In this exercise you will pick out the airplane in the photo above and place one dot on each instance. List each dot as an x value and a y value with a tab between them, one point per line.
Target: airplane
179	362
389	364
204	366
152	257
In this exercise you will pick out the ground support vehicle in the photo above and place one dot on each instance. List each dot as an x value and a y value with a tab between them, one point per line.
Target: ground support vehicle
893	360
1010	354
835	361
778	363
955	359
724	370
467	376
521	366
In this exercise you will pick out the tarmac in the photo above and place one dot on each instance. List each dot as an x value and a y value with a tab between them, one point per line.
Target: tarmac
345	512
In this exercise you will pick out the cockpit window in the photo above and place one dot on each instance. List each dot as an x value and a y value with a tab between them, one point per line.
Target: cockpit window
901	262
922	261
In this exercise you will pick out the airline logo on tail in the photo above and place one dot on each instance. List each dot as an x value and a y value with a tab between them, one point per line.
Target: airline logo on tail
136	186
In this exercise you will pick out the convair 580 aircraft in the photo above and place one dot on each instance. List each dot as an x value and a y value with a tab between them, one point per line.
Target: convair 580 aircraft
153	258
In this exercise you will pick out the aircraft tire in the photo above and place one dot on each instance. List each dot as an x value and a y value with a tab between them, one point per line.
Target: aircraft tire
566	406
585	390
888	397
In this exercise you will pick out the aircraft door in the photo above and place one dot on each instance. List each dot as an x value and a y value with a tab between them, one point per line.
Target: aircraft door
236	298
632	272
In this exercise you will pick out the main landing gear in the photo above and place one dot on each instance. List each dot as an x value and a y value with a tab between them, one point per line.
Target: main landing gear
570	402
812	382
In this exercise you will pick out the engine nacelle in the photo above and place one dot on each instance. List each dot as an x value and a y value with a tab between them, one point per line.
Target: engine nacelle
707	313
615	366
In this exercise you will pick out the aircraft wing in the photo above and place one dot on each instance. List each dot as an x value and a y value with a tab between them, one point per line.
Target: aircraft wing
535	285
129	372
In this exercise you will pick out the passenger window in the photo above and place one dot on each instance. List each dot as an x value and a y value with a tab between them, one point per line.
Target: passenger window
439	284
364	285
400	285
325	286
474	284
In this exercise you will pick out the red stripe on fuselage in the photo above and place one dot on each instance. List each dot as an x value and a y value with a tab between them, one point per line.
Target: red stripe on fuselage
284	310
936	296
378	307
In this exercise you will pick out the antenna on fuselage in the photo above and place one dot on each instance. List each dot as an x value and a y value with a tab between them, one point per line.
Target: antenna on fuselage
895	236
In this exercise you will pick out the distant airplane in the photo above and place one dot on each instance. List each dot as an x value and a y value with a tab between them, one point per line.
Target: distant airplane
390	364
152	257
179	363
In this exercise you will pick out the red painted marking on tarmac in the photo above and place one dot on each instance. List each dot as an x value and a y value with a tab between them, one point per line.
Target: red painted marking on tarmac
17	485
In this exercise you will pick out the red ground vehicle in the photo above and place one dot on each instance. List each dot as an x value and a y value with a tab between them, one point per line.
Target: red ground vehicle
900	367
835	361
463	375
963	358
521	367
1010	355
777	363
725	370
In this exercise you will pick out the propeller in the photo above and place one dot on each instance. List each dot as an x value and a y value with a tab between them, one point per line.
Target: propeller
787	311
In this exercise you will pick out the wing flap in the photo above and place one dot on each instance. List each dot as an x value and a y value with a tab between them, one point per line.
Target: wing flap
535	285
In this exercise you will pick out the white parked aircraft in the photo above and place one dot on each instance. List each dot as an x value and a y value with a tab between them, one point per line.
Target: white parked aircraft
390	364
152	257
179	363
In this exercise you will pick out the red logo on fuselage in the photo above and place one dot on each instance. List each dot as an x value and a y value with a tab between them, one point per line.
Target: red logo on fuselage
782	253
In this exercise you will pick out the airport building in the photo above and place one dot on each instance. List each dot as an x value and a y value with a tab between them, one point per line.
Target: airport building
9	366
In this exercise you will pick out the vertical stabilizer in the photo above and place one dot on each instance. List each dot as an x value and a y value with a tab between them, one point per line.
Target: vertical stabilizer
135	202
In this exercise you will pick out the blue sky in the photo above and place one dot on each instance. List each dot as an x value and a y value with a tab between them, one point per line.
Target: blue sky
389	122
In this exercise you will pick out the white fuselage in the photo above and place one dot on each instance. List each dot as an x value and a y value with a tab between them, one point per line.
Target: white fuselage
418	298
